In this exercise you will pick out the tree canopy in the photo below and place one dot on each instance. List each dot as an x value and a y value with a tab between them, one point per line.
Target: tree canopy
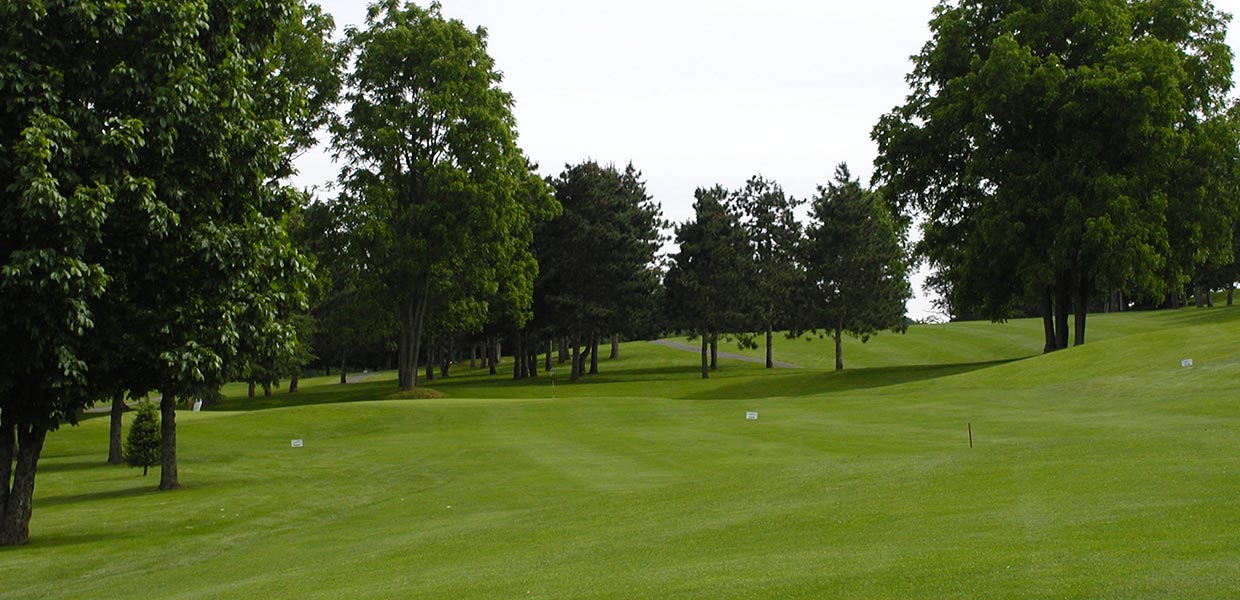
140	145
432	168
1049	145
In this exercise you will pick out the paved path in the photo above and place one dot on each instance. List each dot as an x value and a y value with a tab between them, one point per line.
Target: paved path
729	355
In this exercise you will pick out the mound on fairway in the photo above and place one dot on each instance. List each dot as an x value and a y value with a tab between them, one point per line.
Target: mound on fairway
1106	471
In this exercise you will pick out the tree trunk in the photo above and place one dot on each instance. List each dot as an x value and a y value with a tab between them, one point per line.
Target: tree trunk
430	359
547	364
532	360
714	351
253	385
116	453
1231	292
593	353
518	361
445	359
1063	301
563	349
1048	322
705	357
839	344
493	354
344	370
21	445
168	442
293	381
770	357
473	356
267	388
1080	307
615	346
413	315
575	371
1199	296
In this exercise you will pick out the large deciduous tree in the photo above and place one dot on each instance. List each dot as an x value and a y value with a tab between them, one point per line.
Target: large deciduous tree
431	165
140	143
1051	148
856	272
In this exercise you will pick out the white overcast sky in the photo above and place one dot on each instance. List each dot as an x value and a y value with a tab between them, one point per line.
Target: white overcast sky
696	92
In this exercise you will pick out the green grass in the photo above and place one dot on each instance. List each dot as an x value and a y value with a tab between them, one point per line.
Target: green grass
1106	471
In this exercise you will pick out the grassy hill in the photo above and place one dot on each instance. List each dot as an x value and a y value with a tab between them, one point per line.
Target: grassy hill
1106	471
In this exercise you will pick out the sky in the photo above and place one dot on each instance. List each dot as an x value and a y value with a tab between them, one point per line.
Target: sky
696	92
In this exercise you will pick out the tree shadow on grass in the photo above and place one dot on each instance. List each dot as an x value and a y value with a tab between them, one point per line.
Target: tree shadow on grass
51	465
806	383
329	394
133	492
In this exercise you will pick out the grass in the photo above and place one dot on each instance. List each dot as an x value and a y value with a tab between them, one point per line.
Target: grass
1106	471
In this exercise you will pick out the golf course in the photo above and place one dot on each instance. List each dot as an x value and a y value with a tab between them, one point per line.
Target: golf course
954	461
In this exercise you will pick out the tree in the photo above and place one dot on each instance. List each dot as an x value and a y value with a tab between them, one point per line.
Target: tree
856	271
707	281
431	164
774	235
597	257
107	232
1042	143
143	443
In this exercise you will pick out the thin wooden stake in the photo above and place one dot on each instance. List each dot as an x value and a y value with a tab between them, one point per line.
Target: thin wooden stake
970	435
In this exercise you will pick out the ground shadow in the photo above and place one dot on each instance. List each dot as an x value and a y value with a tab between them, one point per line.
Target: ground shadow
97	496
805	383
50	465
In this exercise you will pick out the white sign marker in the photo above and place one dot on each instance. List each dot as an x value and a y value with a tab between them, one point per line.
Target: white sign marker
1188	362
297	443
198	406
752	416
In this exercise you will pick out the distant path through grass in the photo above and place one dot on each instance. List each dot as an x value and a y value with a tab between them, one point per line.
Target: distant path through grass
740	357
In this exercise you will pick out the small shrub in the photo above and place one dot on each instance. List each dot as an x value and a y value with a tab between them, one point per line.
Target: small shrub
142	444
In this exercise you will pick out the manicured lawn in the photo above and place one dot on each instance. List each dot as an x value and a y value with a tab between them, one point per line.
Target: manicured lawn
1107	471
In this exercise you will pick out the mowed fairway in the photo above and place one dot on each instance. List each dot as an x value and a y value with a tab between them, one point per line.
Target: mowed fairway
1107	471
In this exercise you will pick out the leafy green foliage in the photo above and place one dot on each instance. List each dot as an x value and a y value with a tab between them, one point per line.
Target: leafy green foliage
140	145
1056	150
441	192
142	443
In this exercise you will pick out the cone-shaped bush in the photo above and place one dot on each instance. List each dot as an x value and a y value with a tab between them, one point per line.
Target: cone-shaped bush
142	445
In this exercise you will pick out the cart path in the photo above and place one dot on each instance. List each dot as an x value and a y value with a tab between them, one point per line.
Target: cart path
728	355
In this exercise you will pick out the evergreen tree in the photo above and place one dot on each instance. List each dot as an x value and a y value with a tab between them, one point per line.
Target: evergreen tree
142	443
767	215
856	270
708	280
597	258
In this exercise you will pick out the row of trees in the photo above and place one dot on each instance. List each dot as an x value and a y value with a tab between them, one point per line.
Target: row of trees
746	267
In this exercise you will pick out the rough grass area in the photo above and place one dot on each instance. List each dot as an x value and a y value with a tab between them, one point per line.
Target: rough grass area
1107	471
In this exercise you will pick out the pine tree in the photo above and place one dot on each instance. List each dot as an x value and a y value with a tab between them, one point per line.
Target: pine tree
857	273
142	444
